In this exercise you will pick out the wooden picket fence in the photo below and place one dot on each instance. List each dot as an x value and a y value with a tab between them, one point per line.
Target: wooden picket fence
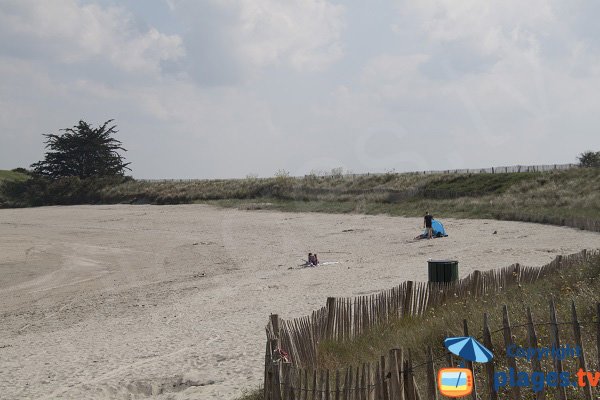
395	376
291	350
345	318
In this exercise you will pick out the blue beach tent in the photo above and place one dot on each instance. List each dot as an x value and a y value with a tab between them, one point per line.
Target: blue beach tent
438	228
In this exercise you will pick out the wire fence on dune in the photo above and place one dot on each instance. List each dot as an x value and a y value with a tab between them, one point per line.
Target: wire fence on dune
489	170
291	358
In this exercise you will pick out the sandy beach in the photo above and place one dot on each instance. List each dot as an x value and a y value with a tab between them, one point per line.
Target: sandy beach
170	302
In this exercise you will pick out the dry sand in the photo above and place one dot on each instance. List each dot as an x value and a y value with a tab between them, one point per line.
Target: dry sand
127	301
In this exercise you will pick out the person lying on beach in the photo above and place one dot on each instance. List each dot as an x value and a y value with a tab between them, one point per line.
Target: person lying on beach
312	260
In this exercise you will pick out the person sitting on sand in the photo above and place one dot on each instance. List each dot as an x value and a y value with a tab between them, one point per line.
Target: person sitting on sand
315	260
310	259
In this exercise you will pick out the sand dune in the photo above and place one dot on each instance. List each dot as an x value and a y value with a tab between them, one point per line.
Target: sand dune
170	302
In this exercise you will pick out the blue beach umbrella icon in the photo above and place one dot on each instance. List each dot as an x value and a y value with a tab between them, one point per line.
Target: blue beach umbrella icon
468	348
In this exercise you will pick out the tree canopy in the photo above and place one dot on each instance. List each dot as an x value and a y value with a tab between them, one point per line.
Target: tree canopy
84	152
589	159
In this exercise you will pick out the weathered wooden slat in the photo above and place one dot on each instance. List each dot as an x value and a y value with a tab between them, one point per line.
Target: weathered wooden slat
598	334
327	386
555	335
587	390
489	366
431	377
533	343
469	364
515	391
384	380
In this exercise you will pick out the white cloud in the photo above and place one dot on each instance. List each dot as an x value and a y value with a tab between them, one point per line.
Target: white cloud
67	32
304	34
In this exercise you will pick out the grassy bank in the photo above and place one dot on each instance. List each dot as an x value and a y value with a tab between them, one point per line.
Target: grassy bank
560	198
6	175
570	197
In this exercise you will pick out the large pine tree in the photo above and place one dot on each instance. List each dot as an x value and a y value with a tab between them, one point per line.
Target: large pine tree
84	152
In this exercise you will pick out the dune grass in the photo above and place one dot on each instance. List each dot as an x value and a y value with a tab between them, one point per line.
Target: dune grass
549	197
6	175
554	197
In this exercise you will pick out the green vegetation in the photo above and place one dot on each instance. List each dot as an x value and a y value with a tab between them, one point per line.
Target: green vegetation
479	184
570	197
40	191
13	175
589	159
559	197
83	152
256	394
79	164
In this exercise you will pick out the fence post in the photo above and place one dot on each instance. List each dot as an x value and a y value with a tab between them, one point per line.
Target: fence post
533	343
489	367
304	390
348	384
431	378
286	381
330	316
395	388
268	378
449	358
469	364
327	386
408	299
476	283
598	332
357	390
587	390
562	394
276	366
384	387
337	384
400	366
409	390
369	384
314	386
506	331
378	380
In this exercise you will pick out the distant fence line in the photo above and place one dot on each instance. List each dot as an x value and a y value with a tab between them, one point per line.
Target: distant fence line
490	170
343	319
396	377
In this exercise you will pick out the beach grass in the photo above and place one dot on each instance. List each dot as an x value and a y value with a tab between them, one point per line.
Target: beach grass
9	175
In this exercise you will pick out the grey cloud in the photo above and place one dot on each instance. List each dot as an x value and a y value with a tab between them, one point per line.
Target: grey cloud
455	59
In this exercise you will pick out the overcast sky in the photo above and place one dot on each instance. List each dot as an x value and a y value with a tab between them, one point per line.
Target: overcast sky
223	88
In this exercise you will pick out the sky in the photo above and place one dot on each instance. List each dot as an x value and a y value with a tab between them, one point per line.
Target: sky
226	89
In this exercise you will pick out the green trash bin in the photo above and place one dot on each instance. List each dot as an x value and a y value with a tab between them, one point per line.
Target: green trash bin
443	270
